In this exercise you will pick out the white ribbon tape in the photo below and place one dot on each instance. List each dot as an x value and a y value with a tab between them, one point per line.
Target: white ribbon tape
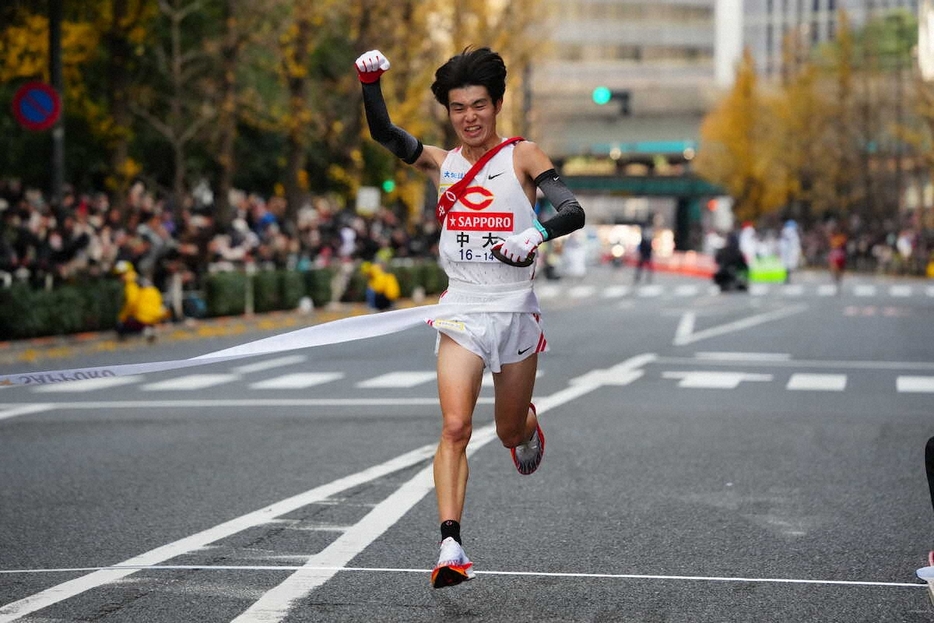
335	332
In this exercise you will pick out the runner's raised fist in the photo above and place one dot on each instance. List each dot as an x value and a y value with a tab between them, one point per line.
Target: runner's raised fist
371	65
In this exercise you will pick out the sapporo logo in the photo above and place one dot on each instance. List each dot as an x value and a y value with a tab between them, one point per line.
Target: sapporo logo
477	198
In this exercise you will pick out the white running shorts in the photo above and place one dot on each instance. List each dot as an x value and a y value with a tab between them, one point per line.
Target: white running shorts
498	338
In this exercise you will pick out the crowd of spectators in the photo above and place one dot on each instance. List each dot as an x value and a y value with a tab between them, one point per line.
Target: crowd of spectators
885	246
87	235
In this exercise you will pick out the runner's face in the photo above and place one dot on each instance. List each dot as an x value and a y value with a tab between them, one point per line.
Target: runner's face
473	115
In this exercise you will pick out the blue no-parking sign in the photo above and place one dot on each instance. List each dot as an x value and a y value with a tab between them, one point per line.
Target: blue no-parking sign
36	106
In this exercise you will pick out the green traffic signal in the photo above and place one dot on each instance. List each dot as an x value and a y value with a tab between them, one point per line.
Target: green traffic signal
602	95
389	186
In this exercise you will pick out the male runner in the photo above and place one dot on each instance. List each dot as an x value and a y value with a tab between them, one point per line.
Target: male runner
495	211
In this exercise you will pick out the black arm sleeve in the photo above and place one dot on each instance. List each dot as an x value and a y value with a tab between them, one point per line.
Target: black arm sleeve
570	216
392	137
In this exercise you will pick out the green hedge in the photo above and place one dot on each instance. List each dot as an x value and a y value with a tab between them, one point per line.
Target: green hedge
70	308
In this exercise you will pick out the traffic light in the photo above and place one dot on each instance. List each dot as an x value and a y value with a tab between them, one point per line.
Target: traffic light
602	95
389	185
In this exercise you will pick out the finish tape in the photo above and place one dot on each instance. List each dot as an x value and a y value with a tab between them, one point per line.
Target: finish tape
334	332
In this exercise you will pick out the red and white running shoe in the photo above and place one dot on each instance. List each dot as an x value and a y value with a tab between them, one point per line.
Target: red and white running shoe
453	565
527	456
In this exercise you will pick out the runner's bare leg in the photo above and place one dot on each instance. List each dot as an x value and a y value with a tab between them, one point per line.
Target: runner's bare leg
515	422
460	374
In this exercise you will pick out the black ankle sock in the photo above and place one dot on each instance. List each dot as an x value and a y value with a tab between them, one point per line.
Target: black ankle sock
451	528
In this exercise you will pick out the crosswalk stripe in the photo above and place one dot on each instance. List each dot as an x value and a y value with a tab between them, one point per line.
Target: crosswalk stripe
650	291
397	379
581	292
269	364
86	385
547	291
191	382
550	291
298	380
615	292
817	382
714	380
915	384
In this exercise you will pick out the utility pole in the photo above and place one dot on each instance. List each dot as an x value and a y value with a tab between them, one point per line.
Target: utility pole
55	74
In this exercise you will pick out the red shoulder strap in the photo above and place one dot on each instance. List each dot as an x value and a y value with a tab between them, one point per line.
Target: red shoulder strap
449	197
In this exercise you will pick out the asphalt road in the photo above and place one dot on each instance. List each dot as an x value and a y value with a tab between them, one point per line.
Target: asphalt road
743	457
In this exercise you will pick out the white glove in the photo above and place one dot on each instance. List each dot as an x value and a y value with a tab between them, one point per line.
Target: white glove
518	247
371	65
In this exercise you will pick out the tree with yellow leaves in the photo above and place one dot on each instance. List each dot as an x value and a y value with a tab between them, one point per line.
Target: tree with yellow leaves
741	145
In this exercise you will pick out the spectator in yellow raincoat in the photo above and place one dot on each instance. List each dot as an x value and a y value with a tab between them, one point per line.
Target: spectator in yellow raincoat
143	308
382	288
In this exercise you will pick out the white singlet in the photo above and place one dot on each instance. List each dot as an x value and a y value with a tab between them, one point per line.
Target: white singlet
508	329
493	208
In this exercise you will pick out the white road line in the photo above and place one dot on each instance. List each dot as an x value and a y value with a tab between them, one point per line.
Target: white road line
864	290
685	328
904	384
714	380
227	404
740	325
900	291
826	290
793	290
190	382
817	382
65	590
758	289
736	356
86	385
298	380
805	363
930	290
546	574
686	290
275	604
15	410
398	379
269	364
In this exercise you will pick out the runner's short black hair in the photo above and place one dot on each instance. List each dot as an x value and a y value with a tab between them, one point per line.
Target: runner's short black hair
472	67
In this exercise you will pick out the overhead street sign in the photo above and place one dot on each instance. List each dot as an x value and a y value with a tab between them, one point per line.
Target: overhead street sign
36	106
